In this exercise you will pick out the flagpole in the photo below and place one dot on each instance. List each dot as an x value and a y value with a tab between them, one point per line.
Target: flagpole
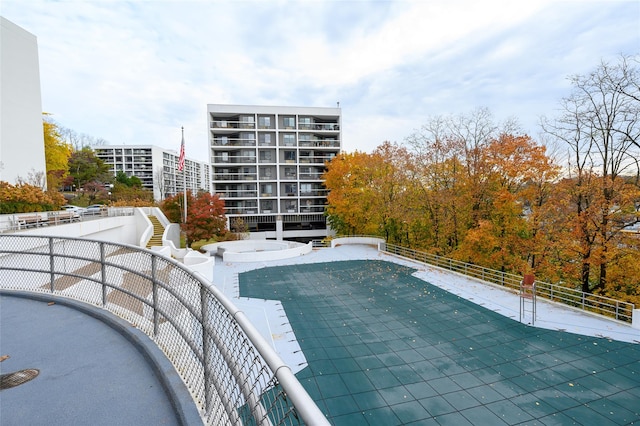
184	179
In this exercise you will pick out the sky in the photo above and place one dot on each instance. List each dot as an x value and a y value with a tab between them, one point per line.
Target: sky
135	72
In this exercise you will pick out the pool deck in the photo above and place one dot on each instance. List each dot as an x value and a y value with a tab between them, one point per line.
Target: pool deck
550	315
459	356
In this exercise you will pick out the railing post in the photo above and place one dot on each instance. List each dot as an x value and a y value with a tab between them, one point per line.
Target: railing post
52	264
154	292
206	350
103	275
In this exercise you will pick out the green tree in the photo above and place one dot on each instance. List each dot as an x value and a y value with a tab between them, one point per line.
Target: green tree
129	181
86	168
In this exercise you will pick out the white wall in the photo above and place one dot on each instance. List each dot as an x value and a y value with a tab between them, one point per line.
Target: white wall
20	104
121	229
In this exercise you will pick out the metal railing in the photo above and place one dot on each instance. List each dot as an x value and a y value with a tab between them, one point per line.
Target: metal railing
233	374
21	221
619	310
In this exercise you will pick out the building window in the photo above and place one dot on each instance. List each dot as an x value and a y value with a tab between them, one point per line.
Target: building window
265	156
246	121
290	156
289	139
289	122
267	189
290	172
264	122
247	138
265	138
290	189
305	122
291	206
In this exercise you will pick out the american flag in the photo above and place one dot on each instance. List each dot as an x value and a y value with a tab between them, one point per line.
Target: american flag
181	159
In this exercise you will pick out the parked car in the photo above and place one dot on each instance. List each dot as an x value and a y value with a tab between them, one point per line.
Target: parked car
96	209
77	211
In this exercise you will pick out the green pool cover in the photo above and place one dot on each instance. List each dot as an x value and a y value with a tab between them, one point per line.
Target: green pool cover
386	348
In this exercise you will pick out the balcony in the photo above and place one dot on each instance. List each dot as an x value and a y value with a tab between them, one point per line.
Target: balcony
234	176
315	159
311	176
319	126
314	192
320	143
234	159
224	124
233	142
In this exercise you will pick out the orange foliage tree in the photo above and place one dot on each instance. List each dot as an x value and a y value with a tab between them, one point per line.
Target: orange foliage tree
24	197
205	215
368	192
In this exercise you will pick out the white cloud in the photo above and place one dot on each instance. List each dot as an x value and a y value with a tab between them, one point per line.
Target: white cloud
134	72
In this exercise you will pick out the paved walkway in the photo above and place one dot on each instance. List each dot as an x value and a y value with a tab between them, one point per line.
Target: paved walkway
92	369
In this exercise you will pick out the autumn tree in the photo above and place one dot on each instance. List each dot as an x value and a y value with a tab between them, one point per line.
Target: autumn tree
350	200
23	197
441	213
518	170
173	207
205	215
600	125
56	153
452	175
391	182
366	193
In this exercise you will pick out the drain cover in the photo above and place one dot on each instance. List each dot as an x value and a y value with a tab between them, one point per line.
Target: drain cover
16	378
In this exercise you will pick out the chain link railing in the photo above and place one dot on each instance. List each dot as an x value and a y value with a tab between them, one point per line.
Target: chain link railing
233	374
619	310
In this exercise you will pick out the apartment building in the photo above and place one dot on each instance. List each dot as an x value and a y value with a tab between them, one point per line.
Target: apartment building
156	167
267	165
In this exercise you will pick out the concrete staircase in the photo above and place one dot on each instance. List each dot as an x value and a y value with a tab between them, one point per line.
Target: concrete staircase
158	230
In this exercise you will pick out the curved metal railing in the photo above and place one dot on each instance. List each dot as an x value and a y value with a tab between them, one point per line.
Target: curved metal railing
233	374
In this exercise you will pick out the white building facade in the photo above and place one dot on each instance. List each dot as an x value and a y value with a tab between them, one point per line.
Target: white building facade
267	165
156	167
21	128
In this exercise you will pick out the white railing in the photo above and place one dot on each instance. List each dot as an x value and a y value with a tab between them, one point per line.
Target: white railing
619	310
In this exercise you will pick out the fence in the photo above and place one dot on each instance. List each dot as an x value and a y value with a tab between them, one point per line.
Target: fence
613	308
20	221
233	374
